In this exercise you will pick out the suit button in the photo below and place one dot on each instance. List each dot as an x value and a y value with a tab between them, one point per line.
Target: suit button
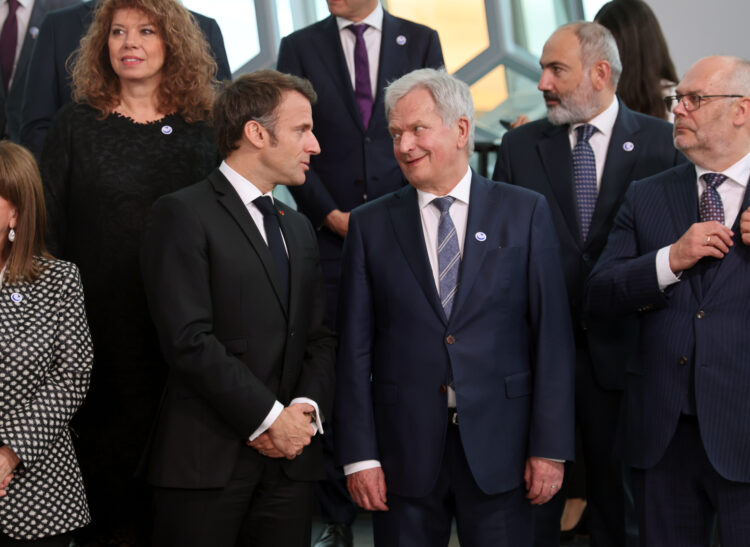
368	140
450	339
443	389
701	314
683	360
291	333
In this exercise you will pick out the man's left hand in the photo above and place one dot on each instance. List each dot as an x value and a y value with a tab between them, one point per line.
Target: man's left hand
745	226
543	479
264	445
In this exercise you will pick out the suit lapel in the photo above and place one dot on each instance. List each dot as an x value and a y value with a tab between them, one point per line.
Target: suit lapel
406	219
229	199
294	246
557	159
389	64
15	300
618	167
483	216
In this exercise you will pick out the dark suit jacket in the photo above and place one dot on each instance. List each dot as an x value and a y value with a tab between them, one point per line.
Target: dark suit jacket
508	342
538	156
12	101
696	331
355	164
48	81
231	345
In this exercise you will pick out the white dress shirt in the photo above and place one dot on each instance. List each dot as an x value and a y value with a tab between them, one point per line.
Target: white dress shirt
372	37
249	192
23	15
599	141
731	191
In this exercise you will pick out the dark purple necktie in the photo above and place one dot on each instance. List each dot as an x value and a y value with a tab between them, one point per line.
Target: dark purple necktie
711	207
8	43
362	87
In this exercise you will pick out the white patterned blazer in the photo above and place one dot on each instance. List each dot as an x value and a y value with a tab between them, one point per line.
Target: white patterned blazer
45	366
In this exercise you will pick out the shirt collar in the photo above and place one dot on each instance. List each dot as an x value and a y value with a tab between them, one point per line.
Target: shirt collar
739	172
460	191
604	121
374	20
244	188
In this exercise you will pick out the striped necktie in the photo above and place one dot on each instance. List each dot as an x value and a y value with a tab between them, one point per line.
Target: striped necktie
449	256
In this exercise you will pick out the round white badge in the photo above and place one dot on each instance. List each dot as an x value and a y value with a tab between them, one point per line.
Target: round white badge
480	236
16	297
401	39
166	129
628	146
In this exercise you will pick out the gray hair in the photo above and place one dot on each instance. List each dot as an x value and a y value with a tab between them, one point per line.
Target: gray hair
452	96
597	44
738	79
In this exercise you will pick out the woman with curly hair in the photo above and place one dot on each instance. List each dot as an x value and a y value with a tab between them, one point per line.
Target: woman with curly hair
143	82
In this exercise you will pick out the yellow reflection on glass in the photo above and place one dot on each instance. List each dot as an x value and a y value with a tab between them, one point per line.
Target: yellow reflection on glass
489	91
462	26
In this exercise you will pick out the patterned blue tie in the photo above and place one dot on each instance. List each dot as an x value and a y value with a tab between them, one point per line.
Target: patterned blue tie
449	256
584	176
711	207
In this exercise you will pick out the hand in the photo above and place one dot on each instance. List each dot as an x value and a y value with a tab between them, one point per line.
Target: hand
367	488
292	431
543	479
745	226
702	239
8	462
338	222
264	445
4	485
520	120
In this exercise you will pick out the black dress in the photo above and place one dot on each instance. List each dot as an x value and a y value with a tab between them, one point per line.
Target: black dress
101	177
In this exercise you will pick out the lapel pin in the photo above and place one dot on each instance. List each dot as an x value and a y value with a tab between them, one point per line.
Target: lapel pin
166	129
401	39
281	212
628	146
16	297
480	236
33	32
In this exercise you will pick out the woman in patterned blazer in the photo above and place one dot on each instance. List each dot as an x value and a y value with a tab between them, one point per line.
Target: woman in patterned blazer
45	364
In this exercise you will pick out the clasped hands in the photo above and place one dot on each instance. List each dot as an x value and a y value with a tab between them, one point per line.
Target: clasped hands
8	462
289	434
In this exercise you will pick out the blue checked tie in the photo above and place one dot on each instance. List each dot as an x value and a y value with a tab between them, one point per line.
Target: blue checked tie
711	207
449	256
584	176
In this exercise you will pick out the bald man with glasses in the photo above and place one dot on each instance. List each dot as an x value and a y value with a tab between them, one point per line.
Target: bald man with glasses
679	256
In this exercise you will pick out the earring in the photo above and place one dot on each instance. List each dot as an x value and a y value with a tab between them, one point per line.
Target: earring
12	235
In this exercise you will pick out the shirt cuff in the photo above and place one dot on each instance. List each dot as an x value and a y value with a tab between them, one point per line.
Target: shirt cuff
317	425
356	467
268	422
664	274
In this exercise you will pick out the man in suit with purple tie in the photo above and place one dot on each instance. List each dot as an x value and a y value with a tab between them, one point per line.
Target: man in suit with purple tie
676	257
350	57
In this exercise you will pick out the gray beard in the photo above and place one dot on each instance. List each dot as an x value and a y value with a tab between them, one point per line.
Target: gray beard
570	114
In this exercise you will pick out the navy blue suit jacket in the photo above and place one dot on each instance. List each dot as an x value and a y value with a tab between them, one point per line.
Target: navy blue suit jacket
11	102
508	342
696	331
538	156
48	81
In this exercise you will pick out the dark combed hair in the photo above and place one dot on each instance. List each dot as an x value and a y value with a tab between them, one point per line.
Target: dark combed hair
646	63
253	97
21	186
188	74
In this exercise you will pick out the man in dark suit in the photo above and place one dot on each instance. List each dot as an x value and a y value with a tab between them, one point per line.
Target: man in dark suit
580	68
234	285
676	257
11	96
48	80
356	163
455	371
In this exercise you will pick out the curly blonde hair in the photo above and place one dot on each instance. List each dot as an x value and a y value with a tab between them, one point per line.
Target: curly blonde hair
188	74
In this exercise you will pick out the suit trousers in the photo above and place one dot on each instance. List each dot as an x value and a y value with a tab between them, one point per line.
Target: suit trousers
679	499
61	540
482	520
259	507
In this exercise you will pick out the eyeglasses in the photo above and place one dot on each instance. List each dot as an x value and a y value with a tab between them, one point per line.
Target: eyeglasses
691	101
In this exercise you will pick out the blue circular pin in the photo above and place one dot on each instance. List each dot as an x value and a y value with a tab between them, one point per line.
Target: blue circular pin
628	146
166	129
16	297
401	39
480	236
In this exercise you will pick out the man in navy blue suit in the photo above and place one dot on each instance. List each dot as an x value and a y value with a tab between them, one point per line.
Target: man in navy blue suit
580	70
455	374
356	163
48	80
676	257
